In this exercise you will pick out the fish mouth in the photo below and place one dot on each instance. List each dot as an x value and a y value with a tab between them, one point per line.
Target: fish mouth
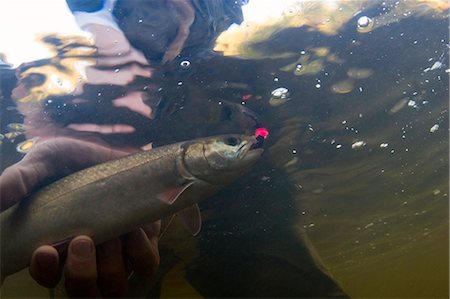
251	149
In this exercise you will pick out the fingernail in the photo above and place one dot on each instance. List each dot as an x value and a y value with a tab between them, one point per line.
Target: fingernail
82	248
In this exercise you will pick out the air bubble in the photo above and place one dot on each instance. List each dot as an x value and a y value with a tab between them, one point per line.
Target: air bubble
185	64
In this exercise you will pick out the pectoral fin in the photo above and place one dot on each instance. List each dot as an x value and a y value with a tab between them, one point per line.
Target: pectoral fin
191	219
170	196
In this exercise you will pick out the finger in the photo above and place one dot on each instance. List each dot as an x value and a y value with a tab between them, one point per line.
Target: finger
143	252
112	275
185	15
103	77
108	41
44	266
15	183
81	269
153	230
132	56
50	159
103	129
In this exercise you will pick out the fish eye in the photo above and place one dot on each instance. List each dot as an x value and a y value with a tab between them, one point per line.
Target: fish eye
231	141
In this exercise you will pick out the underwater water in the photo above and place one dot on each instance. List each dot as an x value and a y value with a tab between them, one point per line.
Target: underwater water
355	174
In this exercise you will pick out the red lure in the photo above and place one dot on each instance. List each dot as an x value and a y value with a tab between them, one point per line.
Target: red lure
263	132
246	97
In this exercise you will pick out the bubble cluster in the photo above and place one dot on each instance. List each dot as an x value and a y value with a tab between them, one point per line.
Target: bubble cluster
279	96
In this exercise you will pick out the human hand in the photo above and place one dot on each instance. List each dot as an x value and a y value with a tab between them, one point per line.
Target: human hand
89	271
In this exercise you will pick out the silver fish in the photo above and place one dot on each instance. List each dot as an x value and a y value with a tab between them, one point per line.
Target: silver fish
113	198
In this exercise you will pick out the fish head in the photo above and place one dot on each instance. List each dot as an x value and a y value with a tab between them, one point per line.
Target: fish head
221	159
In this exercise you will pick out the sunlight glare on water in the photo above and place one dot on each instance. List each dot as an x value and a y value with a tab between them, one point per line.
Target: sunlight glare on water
26	20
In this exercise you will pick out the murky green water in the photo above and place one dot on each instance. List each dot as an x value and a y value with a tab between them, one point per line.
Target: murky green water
356	159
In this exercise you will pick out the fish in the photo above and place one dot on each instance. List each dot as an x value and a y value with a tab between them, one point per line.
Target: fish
13	135
359	73
116	197
25	146
399	105
343	87
17	127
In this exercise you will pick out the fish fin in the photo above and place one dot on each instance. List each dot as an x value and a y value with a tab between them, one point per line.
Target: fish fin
170	196
167	227
191	219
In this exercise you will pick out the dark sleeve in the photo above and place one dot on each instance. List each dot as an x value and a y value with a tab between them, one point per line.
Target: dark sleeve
8	80
85	5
